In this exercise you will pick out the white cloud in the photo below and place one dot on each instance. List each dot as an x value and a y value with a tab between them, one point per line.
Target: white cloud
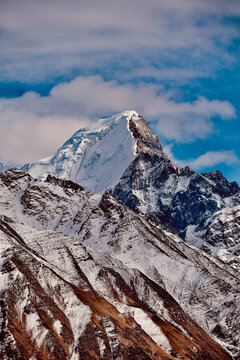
207	160
212	158
178	120
187	121
26	136
36	125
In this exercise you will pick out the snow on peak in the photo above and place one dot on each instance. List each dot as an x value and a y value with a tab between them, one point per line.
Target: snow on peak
130	113
97	156
110	121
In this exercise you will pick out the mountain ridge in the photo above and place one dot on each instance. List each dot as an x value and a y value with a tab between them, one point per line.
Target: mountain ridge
110	243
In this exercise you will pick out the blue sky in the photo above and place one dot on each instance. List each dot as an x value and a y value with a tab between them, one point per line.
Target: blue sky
65	64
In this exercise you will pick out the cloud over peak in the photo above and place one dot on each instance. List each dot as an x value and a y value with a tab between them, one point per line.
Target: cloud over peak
34	119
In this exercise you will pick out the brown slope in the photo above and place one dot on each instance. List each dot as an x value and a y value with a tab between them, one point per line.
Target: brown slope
38	290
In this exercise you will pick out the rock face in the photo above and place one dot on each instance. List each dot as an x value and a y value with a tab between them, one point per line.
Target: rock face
84	277
204	209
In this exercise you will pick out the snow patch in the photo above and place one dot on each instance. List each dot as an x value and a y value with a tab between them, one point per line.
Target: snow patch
151	329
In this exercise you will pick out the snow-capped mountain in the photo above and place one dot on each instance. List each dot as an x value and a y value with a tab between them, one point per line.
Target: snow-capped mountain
139	291
118	273
121	153
97	156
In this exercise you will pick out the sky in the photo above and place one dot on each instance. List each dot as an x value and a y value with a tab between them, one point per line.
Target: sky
65	64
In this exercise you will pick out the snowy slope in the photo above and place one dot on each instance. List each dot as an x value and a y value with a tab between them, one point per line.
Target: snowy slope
120	240
97	156
59	303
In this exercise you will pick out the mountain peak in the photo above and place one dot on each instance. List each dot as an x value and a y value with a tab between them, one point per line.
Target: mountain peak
97	156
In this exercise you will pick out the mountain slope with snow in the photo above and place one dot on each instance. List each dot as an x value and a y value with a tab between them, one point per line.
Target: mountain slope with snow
120	241
204	209
49	279
97	156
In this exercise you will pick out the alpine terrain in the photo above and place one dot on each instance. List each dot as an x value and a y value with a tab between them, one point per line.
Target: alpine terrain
110	251
121	153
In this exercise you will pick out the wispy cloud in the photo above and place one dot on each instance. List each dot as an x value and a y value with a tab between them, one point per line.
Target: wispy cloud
37	36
